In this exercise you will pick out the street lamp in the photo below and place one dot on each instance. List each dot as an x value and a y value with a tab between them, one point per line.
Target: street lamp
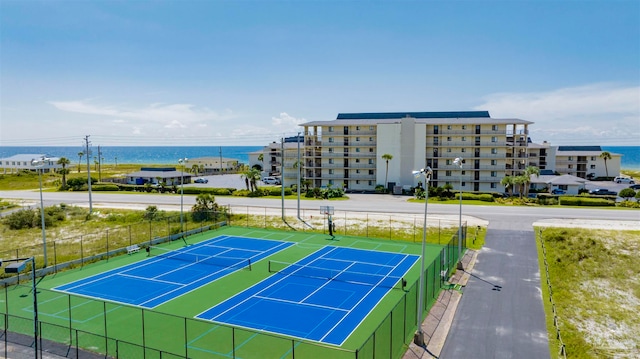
458	162
39	164
182	161
418	337
17	267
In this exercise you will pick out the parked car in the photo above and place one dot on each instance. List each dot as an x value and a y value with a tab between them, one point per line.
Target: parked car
603	192
635	186
271	180
624	180
558	191
201	180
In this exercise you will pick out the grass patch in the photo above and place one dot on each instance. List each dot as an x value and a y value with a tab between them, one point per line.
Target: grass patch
595	281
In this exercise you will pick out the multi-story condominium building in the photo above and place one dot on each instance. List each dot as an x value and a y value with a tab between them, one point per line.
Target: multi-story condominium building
350	151
583	161
280	157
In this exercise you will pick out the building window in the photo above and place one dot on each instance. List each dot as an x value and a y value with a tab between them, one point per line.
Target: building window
357	171
464	127
370	161
463	172
593	158
464	184
331	182
357	160
357	128
370	183
570	158
494	139
370	128
448	162
449	149
494	127
371	149
494	185
570	166
494	162
494	174
330	171
448	127
463	150
330	149
357	182
593	167
330	139
357	149
357	139
448	139
464	138
330	161
371	172
447	173
370	139
330	128
494	151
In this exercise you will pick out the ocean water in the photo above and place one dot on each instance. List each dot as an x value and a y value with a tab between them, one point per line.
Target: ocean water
630	156
137	154
171	154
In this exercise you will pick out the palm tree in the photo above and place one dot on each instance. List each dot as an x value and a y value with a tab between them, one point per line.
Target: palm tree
507	182
605	156
64	162
387	157
251	176
520	181
195	168
528	171
80	154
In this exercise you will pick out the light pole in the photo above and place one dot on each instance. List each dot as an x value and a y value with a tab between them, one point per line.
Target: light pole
18	267
182	161
39	164
418	337
458	162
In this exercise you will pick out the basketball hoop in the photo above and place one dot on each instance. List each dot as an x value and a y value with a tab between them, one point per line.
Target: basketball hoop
326	210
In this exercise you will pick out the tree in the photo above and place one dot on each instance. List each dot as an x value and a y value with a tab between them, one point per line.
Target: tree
605	156
205	207
387	157
251	176
520	182
528	172
63	161
508	183
627	193
194	169
80	154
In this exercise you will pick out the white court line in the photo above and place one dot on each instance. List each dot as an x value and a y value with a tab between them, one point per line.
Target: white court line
251	296
328	280
151	279
299	303
358	303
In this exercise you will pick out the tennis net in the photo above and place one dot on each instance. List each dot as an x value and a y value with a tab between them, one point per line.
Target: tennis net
217	261
327	274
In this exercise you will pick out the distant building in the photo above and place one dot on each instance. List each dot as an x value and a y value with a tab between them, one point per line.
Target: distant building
583	161
568	183
17	163
167	176
212	165
273	162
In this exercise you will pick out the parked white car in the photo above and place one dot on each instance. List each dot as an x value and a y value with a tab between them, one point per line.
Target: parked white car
624	180
271	180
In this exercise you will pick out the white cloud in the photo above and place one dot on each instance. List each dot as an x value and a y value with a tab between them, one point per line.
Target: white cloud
603	114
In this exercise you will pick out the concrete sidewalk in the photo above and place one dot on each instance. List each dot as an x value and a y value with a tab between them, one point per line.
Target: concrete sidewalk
438	322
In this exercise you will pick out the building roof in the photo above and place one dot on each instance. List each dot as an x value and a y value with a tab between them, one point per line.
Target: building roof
433	121
558	180
148	173
580	148
398	115
28	157
584	153
212	158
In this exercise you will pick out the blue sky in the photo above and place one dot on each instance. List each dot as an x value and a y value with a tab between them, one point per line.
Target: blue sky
248	72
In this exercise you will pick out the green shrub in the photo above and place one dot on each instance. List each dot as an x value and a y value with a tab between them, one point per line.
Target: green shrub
105	187
586	201
485	197
25	218
212	191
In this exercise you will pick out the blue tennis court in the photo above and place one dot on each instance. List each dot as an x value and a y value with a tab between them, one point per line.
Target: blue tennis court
323	297
166	275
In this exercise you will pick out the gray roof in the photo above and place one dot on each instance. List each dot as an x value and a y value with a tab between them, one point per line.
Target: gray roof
558	180
580	148
29	157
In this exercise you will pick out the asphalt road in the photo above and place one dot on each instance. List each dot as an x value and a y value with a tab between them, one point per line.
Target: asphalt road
500	314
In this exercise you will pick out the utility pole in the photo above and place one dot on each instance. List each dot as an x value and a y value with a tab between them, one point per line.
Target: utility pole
86	139
220	159
99	165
